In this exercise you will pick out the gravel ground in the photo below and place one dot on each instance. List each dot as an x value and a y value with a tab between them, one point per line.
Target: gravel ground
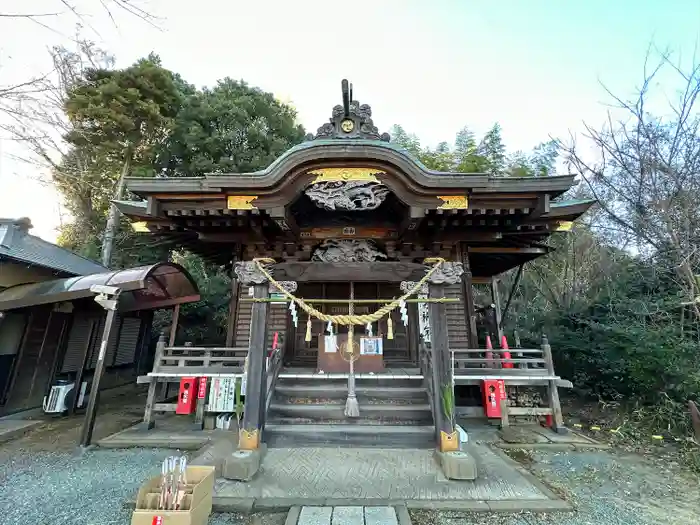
606	489
70	488
45	480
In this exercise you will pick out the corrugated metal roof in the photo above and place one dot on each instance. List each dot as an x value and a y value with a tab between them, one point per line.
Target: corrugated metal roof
18	244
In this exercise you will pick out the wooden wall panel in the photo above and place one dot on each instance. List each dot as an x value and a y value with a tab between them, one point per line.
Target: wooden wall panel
456	323
276	322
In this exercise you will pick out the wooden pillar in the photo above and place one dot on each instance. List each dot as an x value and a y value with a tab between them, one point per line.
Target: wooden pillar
91	412
148	422
256	384
443	388
468	294
552	390
413	329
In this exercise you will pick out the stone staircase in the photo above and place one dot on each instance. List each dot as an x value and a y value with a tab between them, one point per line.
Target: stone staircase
394	413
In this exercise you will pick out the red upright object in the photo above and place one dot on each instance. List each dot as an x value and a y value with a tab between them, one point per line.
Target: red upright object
186	398
492	397
502	389
506	353
489	346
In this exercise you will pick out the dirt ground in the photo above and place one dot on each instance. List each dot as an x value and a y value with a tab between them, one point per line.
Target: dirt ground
117	411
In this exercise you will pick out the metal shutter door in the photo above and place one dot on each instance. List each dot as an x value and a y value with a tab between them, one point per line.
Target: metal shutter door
77	339
128	340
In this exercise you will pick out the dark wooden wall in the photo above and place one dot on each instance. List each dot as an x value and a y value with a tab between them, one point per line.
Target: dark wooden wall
276	321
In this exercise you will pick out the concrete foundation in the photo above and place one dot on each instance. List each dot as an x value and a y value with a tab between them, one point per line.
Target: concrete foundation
457	465
242	465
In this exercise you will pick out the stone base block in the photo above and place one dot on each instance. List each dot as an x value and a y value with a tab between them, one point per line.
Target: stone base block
145	425
214	454
560	430
242	465
457	465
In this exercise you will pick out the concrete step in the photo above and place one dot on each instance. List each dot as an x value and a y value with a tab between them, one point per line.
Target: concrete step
335	410
378	436
340	391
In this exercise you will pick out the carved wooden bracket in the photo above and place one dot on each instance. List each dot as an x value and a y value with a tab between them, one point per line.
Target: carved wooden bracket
447	273
289	286
248	273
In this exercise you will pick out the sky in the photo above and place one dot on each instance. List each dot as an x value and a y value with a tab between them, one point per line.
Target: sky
537	67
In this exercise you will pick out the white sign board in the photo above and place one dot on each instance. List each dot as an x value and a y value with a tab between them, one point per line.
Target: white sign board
330	344
371	346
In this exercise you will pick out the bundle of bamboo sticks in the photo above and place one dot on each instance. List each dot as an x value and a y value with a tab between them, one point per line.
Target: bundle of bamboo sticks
173	483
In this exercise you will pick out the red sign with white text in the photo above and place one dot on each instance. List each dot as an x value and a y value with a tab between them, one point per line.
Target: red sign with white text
202	391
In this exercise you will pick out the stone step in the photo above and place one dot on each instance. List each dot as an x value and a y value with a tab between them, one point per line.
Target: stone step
358	435
340	391
335	410
343	516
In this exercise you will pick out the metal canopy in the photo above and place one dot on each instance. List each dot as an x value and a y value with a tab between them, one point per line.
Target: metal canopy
143	288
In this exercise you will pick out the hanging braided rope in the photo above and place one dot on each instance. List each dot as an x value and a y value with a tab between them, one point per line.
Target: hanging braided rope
350	319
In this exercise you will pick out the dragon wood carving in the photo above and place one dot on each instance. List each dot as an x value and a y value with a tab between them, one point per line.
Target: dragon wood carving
351	195
347	250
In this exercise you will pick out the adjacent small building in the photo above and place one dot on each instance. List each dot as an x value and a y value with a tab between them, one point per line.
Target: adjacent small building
50	326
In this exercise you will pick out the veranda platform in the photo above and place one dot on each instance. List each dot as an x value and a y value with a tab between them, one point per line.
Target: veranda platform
171	431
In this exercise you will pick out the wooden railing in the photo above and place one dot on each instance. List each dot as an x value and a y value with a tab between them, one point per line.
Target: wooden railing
198	361
524	367
476	360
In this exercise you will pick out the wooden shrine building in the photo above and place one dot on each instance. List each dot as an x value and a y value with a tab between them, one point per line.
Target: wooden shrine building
348	206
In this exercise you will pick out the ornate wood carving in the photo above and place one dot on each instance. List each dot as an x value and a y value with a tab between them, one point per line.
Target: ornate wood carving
448	273
351	195
248	273
347	250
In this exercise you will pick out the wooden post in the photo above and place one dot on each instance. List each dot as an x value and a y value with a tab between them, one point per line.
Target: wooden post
552	390
173	325
91	412
443	391
148	422
81	370
254	411
496	298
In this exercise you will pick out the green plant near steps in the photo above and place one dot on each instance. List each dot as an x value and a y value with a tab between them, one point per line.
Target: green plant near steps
448	403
